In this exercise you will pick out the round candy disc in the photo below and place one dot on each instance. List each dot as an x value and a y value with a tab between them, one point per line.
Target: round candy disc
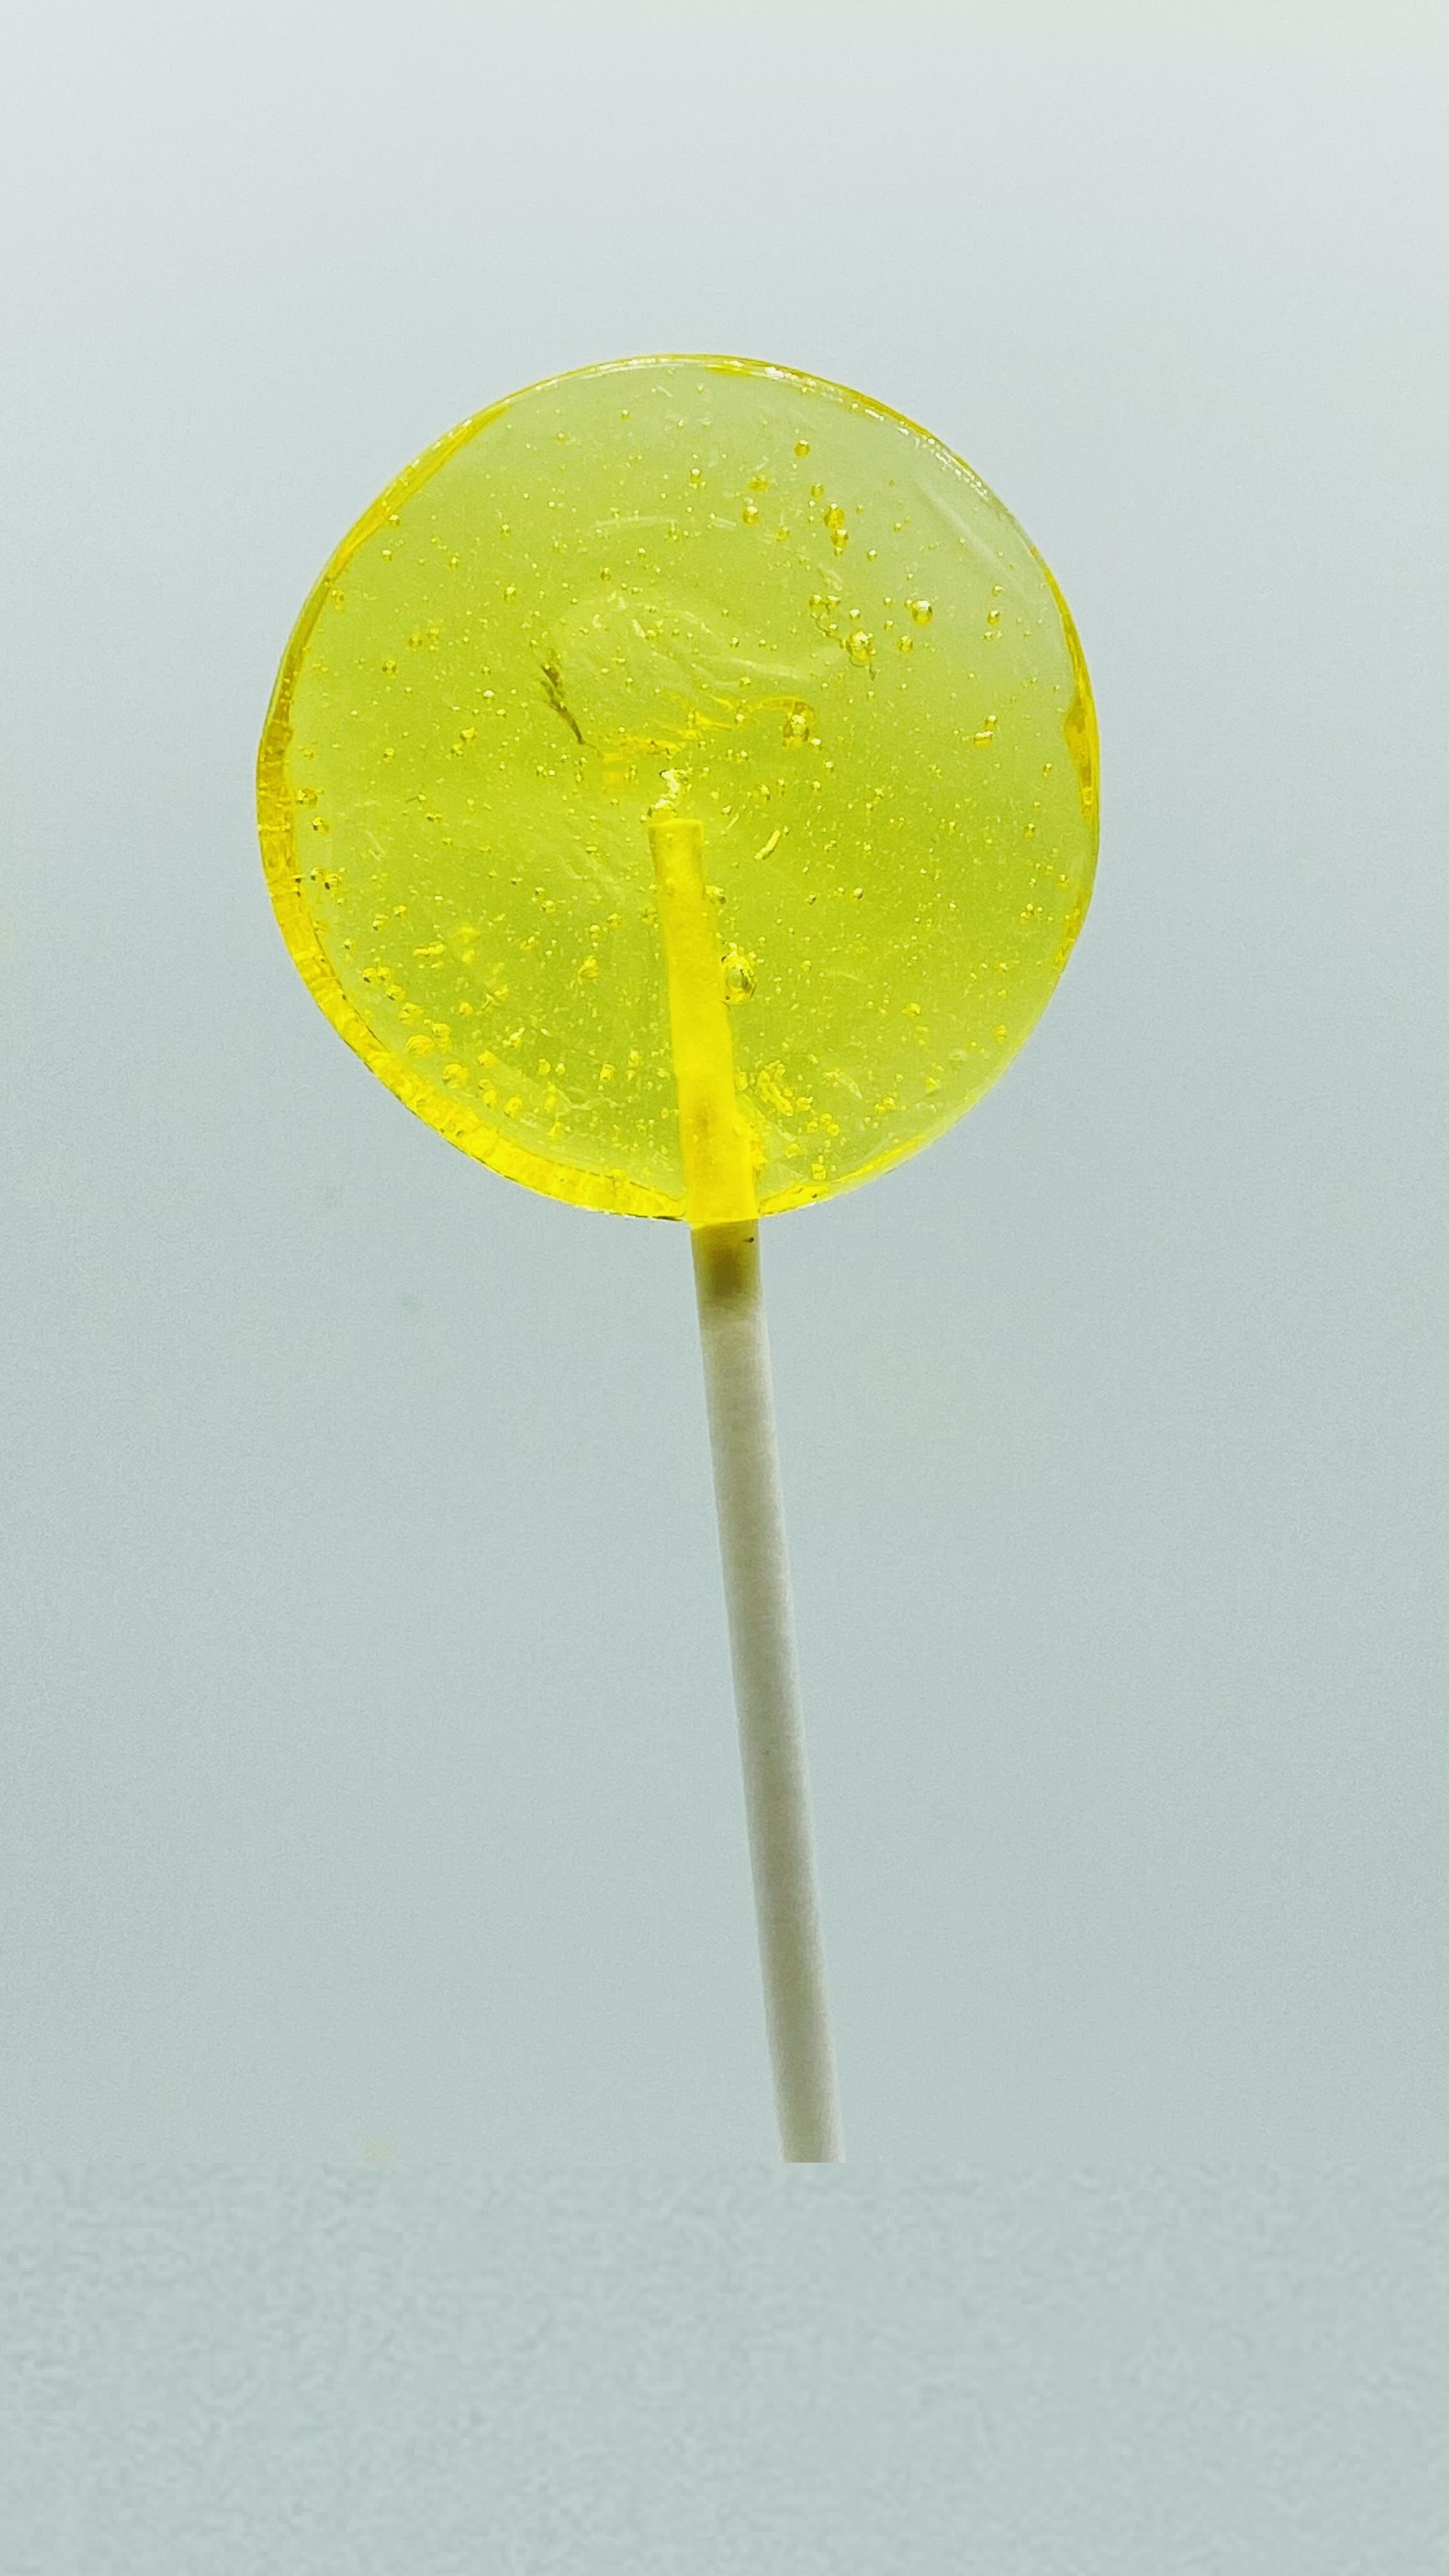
720	590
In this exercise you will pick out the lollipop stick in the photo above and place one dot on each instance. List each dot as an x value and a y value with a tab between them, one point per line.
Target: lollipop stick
719	1179
767	1691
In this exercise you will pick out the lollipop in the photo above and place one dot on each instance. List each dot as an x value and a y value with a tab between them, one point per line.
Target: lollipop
680	788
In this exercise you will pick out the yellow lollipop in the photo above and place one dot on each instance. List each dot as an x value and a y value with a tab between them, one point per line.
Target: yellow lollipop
779	610
680	788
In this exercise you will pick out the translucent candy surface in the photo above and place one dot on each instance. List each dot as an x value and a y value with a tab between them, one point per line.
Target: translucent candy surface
729	592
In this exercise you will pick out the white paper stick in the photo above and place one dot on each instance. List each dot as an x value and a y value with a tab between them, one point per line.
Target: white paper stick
767	1690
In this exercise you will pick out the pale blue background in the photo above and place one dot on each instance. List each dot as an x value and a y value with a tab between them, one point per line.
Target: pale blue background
723	2374
369	1781
369	1793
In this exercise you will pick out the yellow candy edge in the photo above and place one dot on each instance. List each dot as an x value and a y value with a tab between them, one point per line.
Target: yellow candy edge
609	1193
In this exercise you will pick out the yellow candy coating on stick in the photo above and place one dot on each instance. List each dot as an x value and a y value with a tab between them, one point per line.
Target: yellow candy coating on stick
677	724
716	1144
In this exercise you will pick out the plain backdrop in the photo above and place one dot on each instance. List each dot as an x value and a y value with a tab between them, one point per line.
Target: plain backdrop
385	2139
370	1789
821	2373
